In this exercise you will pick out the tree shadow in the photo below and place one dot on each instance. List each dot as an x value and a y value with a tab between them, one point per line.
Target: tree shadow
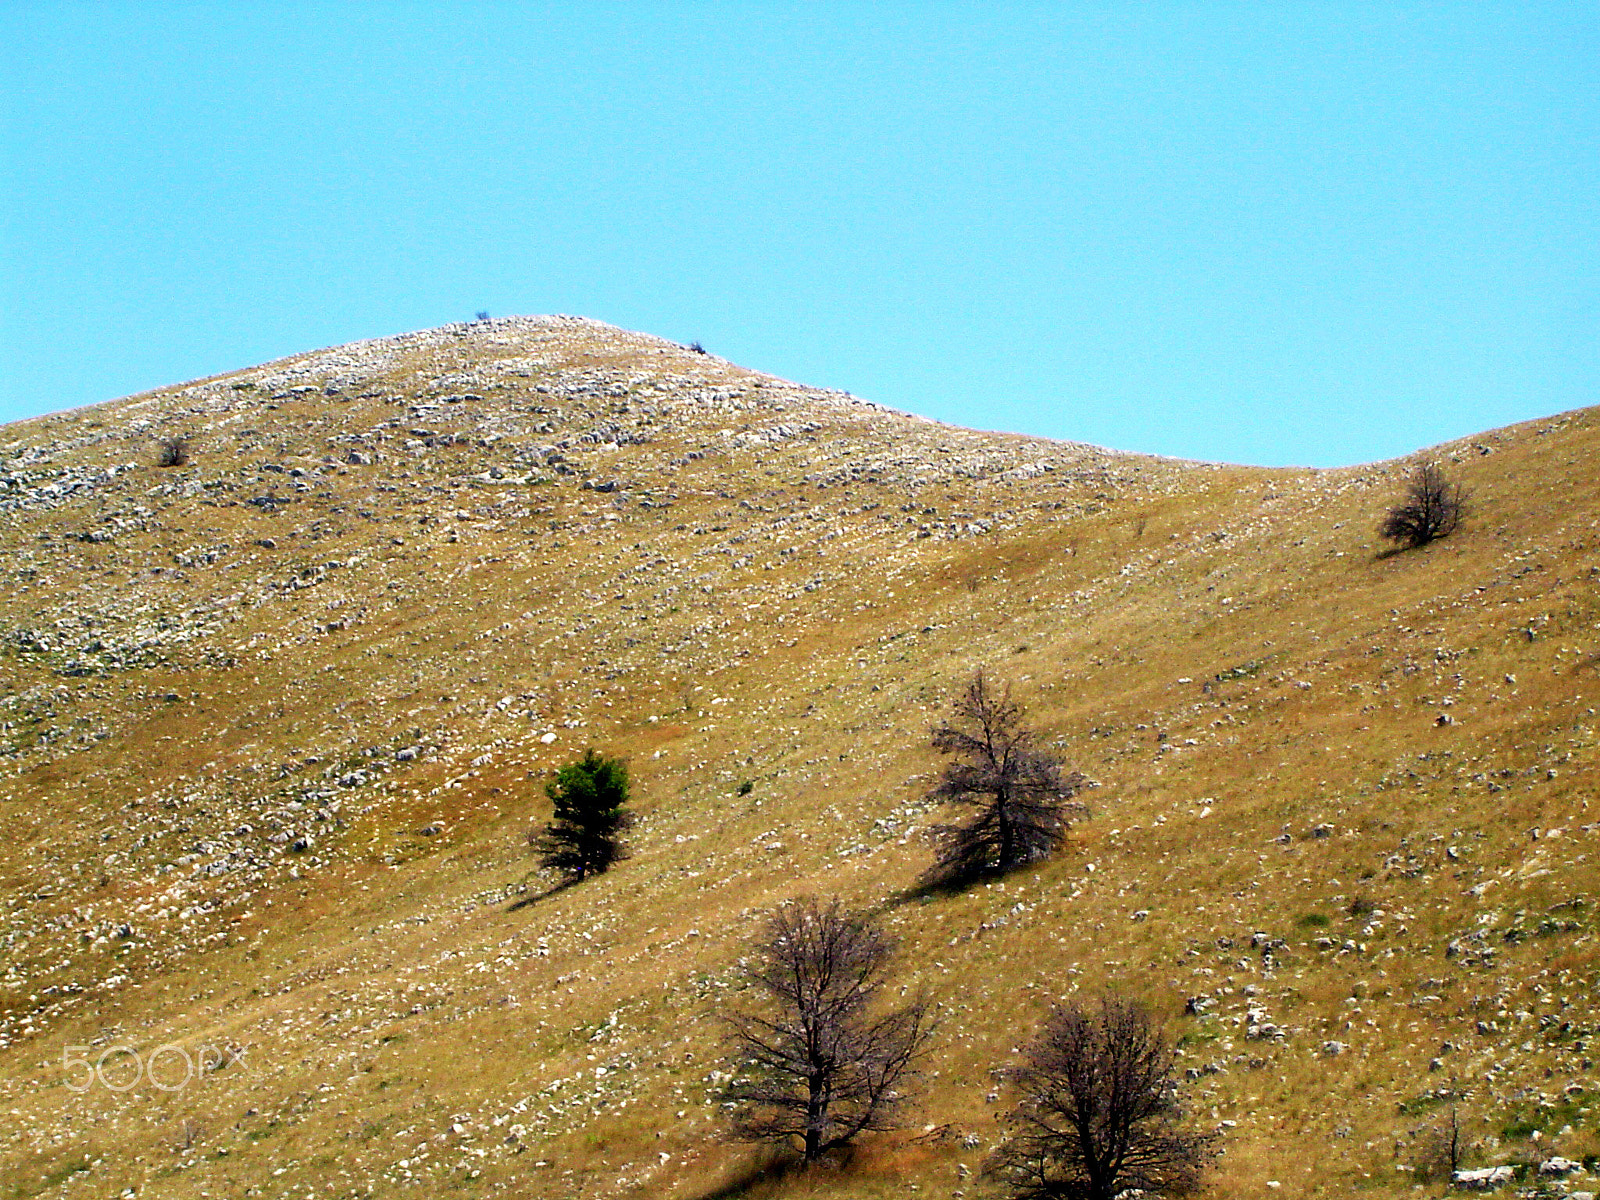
936	884
530	901
770	1169
762	1175
930	888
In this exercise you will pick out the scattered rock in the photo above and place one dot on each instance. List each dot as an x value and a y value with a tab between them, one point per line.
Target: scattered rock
1483	1179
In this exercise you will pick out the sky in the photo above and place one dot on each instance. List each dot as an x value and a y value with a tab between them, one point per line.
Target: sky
1282	234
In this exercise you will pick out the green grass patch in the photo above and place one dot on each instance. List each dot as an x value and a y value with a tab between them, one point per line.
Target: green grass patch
1525	1121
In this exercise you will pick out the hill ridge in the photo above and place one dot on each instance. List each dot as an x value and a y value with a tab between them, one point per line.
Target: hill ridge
274	722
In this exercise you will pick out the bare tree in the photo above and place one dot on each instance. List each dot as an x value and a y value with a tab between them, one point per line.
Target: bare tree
1098	1113
1432	508
821	1063
1022	796
1444	1145
172	452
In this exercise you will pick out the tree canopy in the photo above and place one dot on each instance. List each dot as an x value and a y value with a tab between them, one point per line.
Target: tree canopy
819	1063
1022	796
1098	1115
1431	509
590	799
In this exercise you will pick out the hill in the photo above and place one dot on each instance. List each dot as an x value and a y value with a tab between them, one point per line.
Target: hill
276	721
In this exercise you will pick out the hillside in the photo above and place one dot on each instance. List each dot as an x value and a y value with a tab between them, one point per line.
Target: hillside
276	723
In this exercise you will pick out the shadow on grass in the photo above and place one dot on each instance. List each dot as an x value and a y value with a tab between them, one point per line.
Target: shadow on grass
763	1176
927	890
530	901
1406	547
947	885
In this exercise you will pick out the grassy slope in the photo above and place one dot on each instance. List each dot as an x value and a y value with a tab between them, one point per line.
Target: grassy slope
1222	648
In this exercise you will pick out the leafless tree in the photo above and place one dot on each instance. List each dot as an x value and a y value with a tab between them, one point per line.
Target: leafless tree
1432	508
1022	796
191	1135
1443	1146
172	452
822	1062
1098	1114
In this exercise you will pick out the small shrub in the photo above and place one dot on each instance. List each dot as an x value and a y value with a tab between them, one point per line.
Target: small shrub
1442	1149
481	315
746	788
172	452
1361	906
1313	921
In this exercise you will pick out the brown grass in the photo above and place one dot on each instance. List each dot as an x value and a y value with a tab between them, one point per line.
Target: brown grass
828	712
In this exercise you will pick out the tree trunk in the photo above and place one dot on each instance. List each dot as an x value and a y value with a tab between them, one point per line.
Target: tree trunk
1102	1180
816	1111
1008	839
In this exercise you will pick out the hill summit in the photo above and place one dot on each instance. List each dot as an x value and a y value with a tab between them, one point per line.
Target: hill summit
277	716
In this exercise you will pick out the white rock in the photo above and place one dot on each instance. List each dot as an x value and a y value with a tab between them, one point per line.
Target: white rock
1559	1166
1484	1179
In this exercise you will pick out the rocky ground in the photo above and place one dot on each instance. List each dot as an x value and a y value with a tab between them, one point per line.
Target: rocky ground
276	720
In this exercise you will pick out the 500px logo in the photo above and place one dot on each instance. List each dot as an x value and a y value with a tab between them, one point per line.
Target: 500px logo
119	1068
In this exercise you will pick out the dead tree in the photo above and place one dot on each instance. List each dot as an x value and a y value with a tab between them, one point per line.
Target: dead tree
1444	1145
1022	796
821	1063
1432	508
172	452
1098	1115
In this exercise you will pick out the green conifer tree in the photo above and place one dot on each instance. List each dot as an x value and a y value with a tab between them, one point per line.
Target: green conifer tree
590	798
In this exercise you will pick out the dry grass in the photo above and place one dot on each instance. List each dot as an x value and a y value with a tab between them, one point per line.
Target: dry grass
1223	649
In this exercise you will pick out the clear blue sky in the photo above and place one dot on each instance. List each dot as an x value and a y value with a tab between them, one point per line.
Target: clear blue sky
1313	233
